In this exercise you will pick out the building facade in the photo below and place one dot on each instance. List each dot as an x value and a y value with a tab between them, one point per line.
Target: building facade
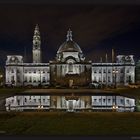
69	67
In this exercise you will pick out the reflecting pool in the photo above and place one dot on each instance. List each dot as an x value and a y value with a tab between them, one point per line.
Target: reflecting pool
70	103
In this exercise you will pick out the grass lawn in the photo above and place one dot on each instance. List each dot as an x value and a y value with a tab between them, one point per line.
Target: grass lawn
60	123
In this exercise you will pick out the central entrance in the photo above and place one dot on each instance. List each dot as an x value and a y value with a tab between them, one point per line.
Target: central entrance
71	105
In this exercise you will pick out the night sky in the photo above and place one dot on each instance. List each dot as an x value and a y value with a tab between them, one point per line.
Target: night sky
96	28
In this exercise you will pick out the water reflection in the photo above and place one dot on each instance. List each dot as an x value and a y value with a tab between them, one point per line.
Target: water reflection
70	103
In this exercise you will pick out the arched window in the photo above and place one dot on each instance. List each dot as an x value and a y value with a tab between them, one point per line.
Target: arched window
70	67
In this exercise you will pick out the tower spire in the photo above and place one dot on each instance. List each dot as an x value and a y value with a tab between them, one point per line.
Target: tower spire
112	55
36	45
69	35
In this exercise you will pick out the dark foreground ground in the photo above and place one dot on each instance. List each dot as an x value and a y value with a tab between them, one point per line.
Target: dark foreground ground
58	123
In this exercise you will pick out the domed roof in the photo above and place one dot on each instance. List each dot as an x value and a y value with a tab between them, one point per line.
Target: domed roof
69	45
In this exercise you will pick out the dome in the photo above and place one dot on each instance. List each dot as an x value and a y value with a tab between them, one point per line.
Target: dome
69	45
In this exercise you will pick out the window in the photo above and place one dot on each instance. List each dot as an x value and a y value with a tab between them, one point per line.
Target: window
121	101
95	100
25	100
99	71
34	79
44	80
95	71
122	70
99	100
104	100
25	79
18	71
30	79
103	79
18	79
113	100
122	79
127	71
25	71
12	71
127	101
108	78
109	100
109	71
18	102
104	71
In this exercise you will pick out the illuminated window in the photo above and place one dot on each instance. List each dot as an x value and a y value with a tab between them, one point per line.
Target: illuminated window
121	101
95	100
127	101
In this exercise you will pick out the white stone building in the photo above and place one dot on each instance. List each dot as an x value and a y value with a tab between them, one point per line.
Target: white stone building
69	67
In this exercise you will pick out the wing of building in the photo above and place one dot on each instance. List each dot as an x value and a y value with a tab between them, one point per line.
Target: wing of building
69	67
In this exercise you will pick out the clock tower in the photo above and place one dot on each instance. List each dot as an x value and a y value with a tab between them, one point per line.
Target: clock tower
36	46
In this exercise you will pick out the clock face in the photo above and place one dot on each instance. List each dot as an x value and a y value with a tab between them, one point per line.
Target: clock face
13	59
36	46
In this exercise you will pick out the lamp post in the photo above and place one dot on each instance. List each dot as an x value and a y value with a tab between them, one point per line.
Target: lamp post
40	106
115	71
114	108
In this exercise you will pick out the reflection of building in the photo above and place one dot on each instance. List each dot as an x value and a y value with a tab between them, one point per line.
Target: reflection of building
71	103
69	68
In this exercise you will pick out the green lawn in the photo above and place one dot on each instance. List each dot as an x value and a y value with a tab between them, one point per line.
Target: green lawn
58	123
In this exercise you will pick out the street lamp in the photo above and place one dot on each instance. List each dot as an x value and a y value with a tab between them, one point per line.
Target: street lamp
40	106
115	71
114	108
